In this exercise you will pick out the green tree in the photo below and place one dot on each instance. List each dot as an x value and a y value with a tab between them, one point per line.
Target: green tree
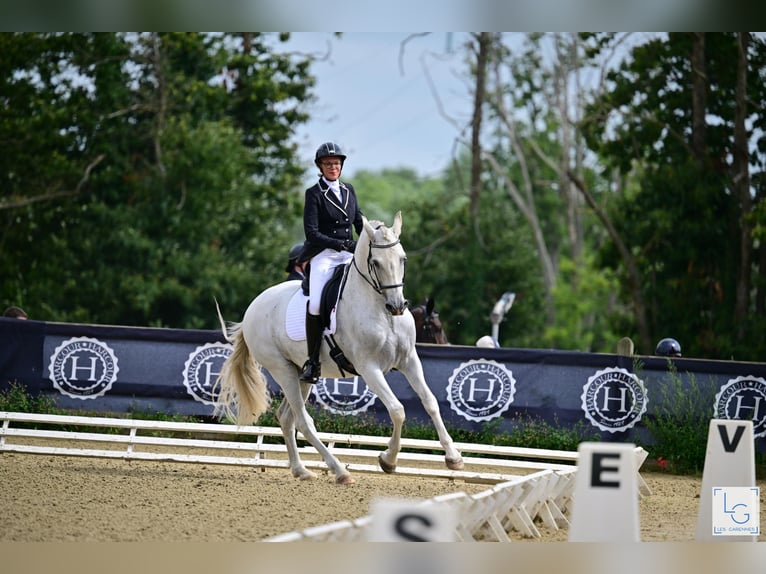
384	193
465	276
536	154
135	189
685	214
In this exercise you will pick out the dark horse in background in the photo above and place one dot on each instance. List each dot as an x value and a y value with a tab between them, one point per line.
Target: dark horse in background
428	326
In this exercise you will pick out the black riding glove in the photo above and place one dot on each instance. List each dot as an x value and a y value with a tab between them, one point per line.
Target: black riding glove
349	245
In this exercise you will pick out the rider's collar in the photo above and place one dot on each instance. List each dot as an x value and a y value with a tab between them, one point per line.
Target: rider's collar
334	185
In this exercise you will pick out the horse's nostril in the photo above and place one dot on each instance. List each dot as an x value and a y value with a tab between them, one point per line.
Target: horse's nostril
395	311
406	304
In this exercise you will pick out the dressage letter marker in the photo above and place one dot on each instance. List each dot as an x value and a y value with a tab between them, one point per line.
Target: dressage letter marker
605	505
729	462
396	520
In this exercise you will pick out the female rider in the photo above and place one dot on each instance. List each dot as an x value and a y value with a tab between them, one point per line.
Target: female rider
330	210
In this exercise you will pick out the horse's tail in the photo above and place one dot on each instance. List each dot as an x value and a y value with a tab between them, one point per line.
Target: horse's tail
243	394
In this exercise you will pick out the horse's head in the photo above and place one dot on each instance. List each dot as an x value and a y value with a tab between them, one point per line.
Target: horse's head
428	326
380	253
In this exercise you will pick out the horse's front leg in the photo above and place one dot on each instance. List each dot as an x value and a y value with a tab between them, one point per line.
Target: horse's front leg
378	385
412	369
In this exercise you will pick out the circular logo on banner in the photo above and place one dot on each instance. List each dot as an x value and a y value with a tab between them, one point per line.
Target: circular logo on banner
202	368
743	398
481	390
83	368
614	400
347	396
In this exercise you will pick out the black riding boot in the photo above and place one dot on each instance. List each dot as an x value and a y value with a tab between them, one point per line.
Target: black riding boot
311	368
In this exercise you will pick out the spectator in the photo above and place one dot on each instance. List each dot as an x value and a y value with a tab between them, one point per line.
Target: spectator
668	347
487	342
294	267
15	312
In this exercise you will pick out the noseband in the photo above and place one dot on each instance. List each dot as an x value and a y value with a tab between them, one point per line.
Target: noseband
373	276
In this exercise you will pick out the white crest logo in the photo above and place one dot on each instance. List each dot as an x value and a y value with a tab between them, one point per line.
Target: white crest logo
83	368
614	400
202	368
481	390
743	398
347	396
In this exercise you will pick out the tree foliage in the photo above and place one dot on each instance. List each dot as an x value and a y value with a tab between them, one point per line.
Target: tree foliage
466	276
683	216
135	190
626	190
144	175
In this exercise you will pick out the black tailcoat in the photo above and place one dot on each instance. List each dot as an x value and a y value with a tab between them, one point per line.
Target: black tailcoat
327	222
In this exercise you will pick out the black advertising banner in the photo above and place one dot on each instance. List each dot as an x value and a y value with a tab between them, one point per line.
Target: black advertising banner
113	369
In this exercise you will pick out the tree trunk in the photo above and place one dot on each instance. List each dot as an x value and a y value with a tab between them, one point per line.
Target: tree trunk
741	182
484	43
634	277
566	63
162	101
524	201
699	96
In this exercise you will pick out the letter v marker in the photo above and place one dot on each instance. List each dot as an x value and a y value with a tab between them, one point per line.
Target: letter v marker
730	446
729	461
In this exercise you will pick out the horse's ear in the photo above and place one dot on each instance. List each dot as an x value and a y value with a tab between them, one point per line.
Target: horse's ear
398	223
368	228
429	305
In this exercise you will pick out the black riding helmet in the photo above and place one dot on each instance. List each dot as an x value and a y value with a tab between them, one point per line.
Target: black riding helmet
329	149
295	252
668	348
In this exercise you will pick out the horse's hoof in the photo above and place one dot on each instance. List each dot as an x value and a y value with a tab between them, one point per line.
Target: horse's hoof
305	475
387	468
345	480
455	463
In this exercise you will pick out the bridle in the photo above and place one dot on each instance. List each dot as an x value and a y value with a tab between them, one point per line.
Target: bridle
372	275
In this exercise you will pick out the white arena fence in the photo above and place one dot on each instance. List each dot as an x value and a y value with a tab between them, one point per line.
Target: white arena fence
514	502
487	516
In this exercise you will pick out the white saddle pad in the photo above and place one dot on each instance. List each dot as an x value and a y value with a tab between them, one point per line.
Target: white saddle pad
295	317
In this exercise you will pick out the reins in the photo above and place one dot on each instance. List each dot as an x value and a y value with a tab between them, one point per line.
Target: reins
373	279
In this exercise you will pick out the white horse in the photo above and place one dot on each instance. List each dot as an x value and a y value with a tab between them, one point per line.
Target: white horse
376	332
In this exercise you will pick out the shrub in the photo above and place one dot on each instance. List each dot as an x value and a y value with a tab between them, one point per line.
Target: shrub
680	422
16	399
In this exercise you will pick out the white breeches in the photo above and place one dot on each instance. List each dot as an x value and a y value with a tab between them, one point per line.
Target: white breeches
323	265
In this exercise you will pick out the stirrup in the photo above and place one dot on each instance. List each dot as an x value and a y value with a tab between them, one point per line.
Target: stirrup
311	372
